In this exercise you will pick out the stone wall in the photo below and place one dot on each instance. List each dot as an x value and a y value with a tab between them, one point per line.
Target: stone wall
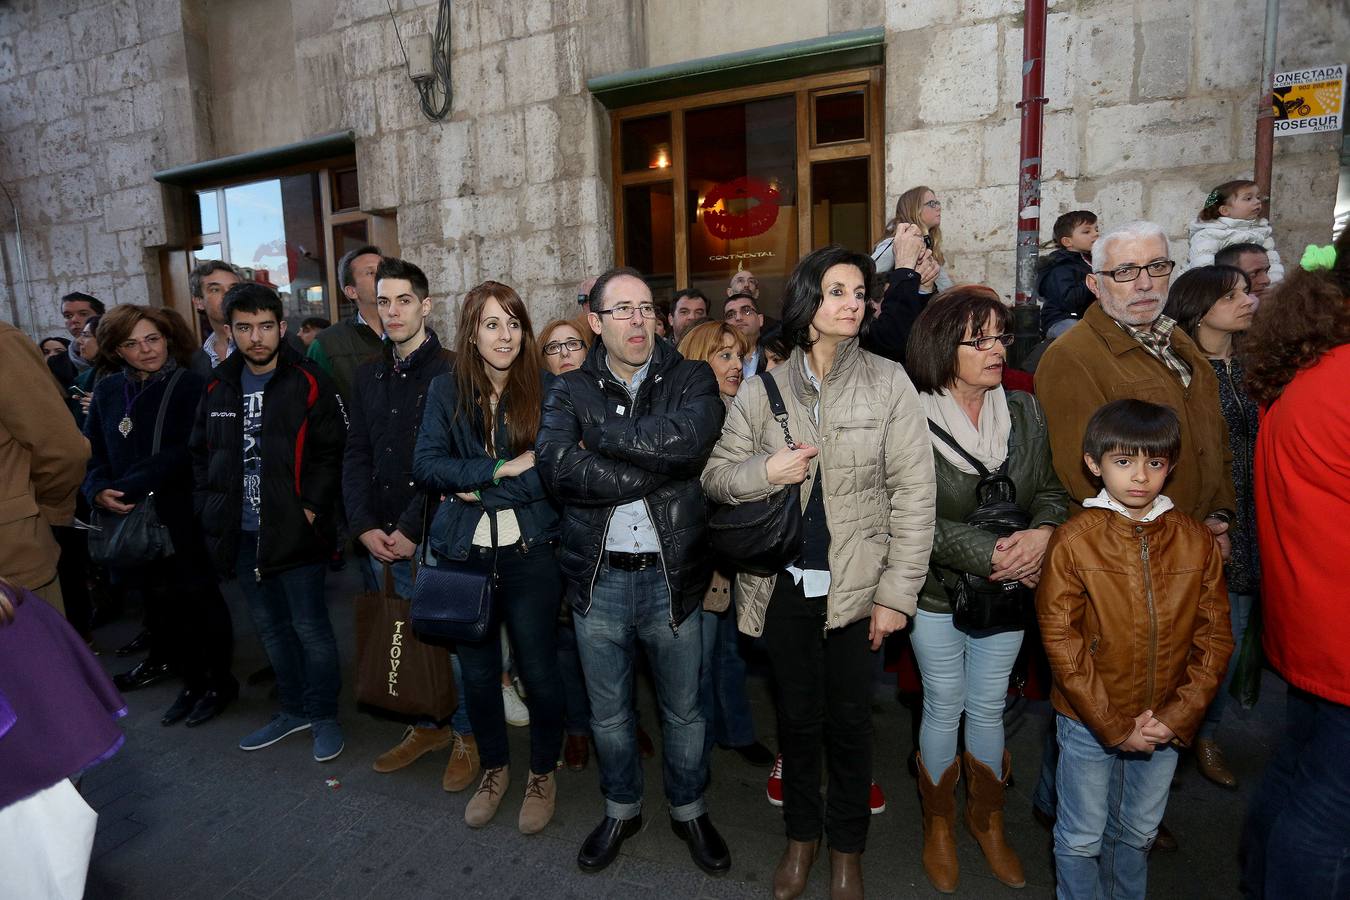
1151	104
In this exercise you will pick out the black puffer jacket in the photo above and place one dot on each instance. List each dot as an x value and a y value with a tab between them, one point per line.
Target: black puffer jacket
385	416
303	431
1062	286
651	449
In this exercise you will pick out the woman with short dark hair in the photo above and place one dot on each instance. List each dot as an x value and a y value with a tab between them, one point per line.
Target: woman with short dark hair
1215	306
863	461
956	356
147	351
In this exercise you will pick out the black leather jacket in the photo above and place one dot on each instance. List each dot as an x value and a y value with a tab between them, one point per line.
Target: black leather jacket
652	448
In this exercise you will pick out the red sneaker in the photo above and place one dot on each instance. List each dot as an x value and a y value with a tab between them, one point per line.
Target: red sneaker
774	789
876	800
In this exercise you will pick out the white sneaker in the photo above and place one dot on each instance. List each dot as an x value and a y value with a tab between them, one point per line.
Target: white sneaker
517	713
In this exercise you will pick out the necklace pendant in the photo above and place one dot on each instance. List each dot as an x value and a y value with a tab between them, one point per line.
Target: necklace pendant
124	426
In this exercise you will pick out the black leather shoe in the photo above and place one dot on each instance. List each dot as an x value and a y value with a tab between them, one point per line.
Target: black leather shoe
756	754
187	699
142	674
706	846
209	705
139	644
602	845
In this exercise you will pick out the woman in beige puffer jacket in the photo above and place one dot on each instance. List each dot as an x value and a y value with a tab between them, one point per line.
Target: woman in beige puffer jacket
868	493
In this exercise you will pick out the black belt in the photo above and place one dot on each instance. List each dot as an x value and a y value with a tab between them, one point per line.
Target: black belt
631	562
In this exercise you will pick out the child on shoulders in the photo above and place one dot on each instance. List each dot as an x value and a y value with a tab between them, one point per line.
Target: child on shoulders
1232	215
1062	278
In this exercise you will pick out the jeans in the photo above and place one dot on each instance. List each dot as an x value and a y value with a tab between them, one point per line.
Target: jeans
1239	613
1043	798
1110	806
289	612
576	705
529	589
403	587
823	681
726	708
962	672
628	608
1297	838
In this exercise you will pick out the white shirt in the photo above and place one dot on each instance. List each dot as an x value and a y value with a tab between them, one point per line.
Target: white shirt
1161	504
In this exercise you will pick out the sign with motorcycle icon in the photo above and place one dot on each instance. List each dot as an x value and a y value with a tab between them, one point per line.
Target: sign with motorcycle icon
1309	100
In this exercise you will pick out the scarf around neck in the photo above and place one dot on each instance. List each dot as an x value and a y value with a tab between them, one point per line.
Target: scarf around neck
988	442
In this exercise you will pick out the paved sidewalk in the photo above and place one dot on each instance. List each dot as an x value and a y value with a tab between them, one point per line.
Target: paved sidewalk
184	813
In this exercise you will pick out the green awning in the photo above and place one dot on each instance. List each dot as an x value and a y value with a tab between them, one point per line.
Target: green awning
340	143
849	50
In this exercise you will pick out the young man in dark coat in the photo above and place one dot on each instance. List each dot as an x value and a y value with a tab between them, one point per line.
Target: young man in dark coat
267	459
622	445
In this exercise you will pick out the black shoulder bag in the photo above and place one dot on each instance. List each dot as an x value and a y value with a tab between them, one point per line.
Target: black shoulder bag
138	537
762	536
979	604
452	601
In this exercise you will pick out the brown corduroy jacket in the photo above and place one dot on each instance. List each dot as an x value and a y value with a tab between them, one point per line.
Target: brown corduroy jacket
42	461
1097	361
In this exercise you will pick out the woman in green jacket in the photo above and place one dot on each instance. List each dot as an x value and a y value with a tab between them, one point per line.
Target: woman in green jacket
956	356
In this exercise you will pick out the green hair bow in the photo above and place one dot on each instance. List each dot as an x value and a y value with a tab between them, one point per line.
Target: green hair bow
1317	258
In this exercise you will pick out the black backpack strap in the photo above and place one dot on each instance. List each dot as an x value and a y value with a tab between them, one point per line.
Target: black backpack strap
163	410
778	408
961	451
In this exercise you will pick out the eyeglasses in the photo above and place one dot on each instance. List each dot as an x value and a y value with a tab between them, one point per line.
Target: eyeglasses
988	341
150	342
623	312
745	311
933	204
1129	273
572	345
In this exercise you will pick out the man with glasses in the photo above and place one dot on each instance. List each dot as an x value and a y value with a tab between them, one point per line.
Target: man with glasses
741	311
622	445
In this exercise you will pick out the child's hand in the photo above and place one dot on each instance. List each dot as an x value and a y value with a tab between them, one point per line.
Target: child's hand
1158	733
1137	742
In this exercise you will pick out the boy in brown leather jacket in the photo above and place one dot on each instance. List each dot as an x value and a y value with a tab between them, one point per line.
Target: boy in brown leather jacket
1133	611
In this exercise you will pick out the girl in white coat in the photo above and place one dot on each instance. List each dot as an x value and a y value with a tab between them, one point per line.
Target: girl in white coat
1232	215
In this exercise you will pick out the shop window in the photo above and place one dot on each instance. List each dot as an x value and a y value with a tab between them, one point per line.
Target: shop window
748	178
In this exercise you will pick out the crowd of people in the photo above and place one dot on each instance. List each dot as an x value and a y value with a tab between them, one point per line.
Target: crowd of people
1150	510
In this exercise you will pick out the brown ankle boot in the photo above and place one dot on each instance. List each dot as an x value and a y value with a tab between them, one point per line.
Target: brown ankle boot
984	818
939	826
845	876
416	743
789	879
463	767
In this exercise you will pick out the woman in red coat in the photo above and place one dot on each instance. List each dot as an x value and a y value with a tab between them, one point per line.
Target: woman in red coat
1298	364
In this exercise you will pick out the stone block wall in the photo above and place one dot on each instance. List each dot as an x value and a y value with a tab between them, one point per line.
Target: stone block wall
1151	104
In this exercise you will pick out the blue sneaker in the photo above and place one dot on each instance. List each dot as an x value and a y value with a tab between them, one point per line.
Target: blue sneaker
327	739
282	725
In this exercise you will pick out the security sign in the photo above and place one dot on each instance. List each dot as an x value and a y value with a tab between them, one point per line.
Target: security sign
1309	100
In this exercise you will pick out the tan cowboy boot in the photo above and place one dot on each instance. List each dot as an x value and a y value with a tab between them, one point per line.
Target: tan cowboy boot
789	879
939	826
463	766
416	743
484	802
984	818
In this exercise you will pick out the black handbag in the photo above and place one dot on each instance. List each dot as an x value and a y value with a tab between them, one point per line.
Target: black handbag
137	537
978	604
452	601
761	537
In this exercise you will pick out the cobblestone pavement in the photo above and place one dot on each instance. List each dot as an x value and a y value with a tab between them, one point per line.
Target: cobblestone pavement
184	813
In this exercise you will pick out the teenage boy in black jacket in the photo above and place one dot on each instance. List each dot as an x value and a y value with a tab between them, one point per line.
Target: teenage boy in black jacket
267	455
622	445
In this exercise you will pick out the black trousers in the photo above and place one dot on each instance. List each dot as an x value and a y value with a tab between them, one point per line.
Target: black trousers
823	684
189	623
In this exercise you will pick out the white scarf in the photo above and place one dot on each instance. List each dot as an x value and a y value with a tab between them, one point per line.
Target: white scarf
988	443
1161	504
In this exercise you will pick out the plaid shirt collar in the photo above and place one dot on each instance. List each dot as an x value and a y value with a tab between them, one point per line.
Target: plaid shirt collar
1157	340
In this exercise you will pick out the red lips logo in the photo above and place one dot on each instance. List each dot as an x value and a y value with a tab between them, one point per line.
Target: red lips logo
759	202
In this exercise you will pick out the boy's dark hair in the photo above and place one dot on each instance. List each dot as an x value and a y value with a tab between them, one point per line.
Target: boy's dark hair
318	323
345	277
803	294
1133	426
596	301
249	296
81	297
393	267
1066	223
1229	255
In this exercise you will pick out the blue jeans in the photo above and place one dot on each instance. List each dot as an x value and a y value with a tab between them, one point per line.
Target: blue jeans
1110	806
961	672
529	589
576	705
628	608
289	612
1297	838
1239	613
403	586
1043	798
726	708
